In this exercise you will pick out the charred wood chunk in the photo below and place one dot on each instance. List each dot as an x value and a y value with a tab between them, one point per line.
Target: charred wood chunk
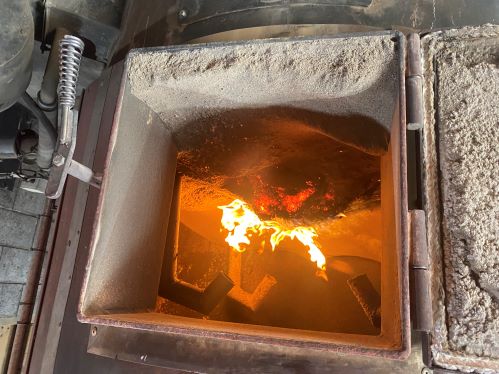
368	298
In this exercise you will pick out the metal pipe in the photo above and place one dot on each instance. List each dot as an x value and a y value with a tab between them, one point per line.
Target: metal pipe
65	121
85	174
47	96
47	136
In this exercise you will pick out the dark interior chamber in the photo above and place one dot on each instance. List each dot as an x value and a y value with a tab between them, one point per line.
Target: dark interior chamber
286	170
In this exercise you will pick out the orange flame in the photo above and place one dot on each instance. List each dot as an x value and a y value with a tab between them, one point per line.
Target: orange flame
241	223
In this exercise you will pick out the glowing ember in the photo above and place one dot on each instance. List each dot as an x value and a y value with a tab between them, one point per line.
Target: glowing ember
294	202
269	198
311	199
242	223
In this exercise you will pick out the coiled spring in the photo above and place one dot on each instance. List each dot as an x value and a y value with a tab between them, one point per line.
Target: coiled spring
71	49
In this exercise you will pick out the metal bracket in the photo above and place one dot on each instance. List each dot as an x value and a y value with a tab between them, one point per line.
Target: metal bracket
63	164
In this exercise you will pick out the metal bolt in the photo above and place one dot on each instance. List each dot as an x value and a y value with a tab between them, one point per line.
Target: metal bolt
182	14
58	160
143	357
93	331
426	370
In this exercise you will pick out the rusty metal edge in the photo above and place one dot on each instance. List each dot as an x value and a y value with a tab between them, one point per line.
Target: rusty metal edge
205	355
342	348
46	336
105	115
405	348
436	359
96	223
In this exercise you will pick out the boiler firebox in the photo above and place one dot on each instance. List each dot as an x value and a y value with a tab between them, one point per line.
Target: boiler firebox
256	192
267	202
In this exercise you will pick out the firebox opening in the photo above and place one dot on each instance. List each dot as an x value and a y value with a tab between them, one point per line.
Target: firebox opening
291	174
297	135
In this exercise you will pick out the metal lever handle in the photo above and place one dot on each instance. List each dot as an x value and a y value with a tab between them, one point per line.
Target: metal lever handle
71	50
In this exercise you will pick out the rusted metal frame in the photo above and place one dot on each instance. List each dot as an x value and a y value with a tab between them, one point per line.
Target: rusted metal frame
97	149
151	348
71	212
428	357
172	288
421	309
161	350
401	192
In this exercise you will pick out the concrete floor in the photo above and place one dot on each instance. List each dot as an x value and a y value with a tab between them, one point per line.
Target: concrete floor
19	215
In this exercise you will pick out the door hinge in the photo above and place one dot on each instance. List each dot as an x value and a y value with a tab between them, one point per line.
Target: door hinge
414	84
420	276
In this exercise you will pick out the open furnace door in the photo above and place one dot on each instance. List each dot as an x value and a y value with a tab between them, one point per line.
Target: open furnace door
461	167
